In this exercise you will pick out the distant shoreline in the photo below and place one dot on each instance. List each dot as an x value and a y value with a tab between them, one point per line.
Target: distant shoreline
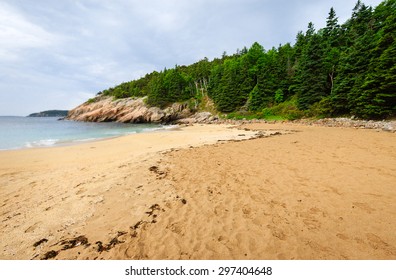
50	113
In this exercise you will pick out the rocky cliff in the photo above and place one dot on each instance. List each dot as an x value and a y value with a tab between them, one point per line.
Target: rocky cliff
127	110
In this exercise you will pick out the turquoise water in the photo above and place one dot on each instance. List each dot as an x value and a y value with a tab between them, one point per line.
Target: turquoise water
24	132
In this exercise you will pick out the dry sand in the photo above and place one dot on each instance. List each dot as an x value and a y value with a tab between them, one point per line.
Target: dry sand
308	193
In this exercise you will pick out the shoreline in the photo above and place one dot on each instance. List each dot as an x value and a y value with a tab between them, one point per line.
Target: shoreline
204	192
64	133
384	125
76	142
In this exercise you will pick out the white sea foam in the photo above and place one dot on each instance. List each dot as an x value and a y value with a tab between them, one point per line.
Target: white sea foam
42	143
162	127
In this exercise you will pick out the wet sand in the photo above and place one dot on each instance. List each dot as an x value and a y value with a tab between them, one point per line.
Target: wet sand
302	193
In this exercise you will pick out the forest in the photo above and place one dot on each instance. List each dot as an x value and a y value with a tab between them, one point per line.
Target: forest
344	69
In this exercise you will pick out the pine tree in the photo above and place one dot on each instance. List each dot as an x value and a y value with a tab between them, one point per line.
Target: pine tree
311	76
378	97
354	61
331	44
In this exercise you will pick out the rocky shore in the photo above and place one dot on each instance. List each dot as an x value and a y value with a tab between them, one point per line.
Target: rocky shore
127	110
385	125
135	110
350	122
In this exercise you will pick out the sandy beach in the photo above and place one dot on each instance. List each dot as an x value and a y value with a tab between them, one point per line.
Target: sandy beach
263	191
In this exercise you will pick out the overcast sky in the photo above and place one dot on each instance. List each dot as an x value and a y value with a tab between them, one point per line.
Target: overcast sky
57	54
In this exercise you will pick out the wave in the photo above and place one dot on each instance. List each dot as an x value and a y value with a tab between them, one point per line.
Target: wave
42	143
57	142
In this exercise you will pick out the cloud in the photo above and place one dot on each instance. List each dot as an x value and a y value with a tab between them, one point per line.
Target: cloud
17	34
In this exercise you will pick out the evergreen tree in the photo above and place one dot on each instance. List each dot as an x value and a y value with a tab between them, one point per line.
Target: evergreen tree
267	82
311	73
285	70
227	95
354	58
331	43
378	91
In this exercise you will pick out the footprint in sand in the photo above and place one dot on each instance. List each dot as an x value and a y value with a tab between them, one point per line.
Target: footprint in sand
363	206
278	233
378	244
311	219
335	190
342	236
32	227
176	228
246	210
80	191
312	224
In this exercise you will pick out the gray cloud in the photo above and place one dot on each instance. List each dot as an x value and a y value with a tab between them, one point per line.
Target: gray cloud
56	54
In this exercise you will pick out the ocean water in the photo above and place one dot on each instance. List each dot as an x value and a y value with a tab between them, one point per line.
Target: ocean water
25	132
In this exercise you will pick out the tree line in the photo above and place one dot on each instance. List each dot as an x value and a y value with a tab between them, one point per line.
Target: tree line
340	70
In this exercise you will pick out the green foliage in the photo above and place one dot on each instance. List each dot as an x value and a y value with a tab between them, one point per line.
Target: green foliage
365	86
287	110
91	100
226	92
378	97
320	109
256	99
169	86
347	69
244	116
312	77
279	96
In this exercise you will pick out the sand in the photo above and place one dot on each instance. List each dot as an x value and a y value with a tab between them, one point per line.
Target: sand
303	193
